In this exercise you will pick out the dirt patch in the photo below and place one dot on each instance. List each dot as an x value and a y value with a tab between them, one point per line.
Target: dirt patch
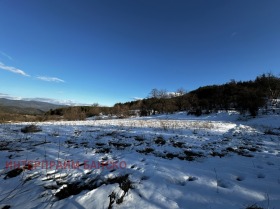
243	151
254	207
99	144
125	184
74	188
191	155
170	156
160	141
178	144
139	138
119	145
146	150
30	129
219	154
4	146
13	173
102	150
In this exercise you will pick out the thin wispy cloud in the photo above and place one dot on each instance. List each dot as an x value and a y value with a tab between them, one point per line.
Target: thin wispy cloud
50	79
12	69
21	72
6	55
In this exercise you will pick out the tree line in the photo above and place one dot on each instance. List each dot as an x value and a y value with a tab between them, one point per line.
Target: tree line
243	96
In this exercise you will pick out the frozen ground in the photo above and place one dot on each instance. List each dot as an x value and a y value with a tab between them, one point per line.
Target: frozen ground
169	161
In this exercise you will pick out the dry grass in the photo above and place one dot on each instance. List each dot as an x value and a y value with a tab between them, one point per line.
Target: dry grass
14	118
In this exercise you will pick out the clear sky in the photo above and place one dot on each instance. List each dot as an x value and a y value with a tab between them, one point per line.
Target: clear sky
105	51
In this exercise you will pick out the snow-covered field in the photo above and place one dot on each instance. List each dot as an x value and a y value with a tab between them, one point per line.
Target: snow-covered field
168	161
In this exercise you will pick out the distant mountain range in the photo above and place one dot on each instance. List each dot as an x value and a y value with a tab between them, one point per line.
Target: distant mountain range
25	107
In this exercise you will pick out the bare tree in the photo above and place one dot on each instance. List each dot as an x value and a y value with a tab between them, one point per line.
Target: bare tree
163	94
95	105
154	93
181	92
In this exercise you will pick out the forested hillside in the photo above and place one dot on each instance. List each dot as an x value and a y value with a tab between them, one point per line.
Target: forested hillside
243	96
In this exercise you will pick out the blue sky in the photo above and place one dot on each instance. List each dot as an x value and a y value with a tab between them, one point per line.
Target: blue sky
112	51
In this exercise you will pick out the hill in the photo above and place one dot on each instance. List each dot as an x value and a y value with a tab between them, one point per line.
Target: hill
27	105
20	110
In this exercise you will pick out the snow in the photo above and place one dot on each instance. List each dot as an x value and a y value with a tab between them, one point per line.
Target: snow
173	161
